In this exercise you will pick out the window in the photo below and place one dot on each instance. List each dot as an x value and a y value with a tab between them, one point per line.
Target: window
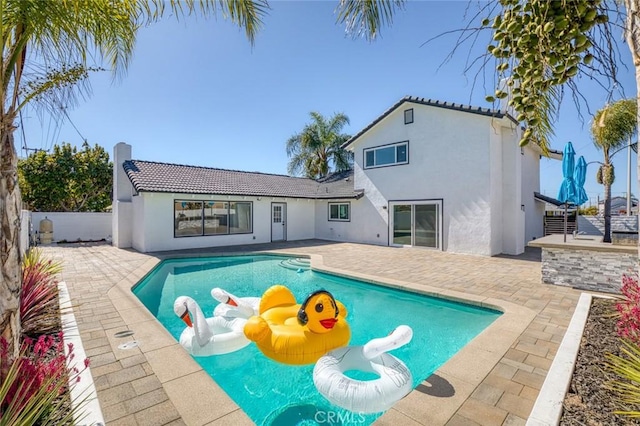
197	218
188	218
339	211
408	116
387	155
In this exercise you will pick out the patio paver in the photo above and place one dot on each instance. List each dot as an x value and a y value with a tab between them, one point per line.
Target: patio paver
518	354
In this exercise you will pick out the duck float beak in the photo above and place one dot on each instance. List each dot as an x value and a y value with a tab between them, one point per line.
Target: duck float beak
328	323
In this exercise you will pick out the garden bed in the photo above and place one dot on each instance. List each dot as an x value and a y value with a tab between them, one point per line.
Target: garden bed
589	401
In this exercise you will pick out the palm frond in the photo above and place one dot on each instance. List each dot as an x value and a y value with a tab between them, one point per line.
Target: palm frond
365	18
614	124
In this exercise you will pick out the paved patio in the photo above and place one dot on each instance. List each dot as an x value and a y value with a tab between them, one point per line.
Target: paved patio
495	379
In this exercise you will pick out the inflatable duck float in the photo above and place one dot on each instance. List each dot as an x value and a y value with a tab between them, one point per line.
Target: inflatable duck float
208	336
298	334
234	307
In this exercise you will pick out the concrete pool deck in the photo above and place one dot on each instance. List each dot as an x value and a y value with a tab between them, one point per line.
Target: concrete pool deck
494	380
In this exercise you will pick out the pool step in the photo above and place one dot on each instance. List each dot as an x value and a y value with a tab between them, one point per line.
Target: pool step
298	264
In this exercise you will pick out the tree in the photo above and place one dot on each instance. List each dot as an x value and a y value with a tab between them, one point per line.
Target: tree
46	53
67	180
612	128
312	151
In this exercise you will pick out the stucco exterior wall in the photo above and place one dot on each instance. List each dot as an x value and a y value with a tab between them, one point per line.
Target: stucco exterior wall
511	203
154	219
364	225
449	159
300	220
533	210
74	226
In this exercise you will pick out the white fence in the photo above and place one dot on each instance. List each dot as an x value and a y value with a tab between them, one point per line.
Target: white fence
25	229
75	226
594	225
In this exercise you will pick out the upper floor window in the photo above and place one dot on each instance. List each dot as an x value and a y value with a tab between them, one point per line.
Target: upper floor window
387	155
408	116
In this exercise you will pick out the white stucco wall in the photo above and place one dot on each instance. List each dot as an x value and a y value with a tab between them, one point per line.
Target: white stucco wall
74	226
449	159
512	212
154	222
365	224
534	210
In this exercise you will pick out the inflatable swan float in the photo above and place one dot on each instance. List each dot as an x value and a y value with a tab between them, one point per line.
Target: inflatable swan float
208	336
370	396
234	307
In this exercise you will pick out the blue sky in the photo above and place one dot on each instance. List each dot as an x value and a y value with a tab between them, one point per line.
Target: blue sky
197	93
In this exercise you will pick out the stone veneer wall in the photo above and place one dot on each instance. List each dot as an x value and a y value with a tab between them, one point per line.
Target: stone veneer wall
586	269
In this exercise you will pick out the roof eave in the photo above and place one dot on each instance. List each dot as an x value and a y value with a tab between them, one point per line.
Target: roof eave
421	101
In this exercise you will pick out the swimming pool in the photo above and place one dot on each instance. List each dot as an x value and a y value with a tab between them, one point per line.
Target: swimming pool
276	394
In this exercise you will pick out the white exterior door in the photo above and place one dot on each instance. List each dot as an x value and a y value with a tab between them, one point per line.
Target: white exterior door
278	221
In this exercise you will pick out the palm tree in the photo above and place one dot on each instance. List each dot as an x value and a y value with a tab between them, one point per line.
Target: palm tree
46	53
319	144
611	129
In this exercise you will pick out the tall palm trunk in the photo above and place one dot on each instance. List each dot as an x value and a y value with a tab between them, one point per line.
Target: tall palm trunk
607	213
10	207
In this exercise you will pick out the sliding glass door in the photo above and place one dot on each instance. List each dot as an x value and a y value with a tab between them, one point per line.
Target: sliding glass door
416	223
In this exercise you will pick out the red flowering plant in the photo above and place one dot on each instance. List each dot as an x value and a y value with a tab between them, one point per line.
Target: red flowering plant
36	382
39	308
628	325
34	386
627	365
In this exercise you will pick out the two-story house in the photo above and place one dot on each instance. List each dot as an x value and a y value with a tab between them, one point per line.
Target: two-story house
426	174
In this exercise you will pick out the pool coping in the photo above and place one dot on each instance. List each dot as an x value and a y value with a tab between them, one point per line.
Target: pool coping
547	409
199	400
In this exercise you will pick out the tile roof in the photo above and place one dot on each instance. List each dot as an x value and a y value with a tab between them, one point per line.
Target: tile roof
149	176
435	103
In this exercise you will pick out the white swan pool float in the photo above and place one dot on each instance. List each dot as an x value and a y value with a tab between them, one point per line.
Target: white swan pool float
234	307
208	336
368	396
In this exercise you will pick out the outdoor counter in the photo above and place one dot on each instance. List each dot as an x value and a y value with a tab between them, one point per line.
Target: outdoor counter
585	262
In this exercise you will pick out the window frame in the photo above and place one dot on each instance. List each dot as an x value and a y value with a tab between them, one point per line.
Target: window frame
338	204
379	147
203	205
406	121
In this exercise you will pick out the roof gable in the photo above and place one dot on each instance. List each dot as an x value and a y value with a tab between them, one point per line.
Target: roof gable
429	102
149	176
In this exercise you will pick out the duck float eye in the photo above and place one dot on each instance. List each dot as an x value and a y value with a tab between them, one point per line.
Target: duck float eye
319	307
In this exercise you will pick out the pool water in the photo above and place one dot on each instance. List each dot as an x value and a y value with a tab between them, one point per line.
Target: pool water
271	393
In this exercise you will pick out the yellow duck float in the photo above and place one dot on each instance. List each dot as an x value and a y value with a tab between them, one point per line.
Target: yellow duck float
298	334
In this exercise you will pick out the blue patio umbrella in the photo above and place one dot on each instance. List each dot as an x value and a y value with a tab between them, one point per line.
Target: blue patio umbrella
567	193
580	177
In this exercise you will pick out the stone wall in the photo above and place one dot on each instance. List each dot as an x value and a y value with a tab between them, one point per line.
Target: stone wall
587	269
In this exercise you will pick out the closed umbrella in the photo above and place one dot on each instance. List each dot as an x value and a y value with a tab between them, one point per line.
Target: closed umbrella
567	193
580	177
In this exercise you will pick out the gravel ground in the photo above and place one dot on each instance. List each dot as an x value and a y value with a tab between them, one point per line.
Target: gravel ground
588	401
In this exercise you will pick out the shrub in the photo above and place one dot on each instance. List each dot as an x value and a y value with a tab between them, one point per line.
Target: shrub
35	383
39	310
628	325
627	366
